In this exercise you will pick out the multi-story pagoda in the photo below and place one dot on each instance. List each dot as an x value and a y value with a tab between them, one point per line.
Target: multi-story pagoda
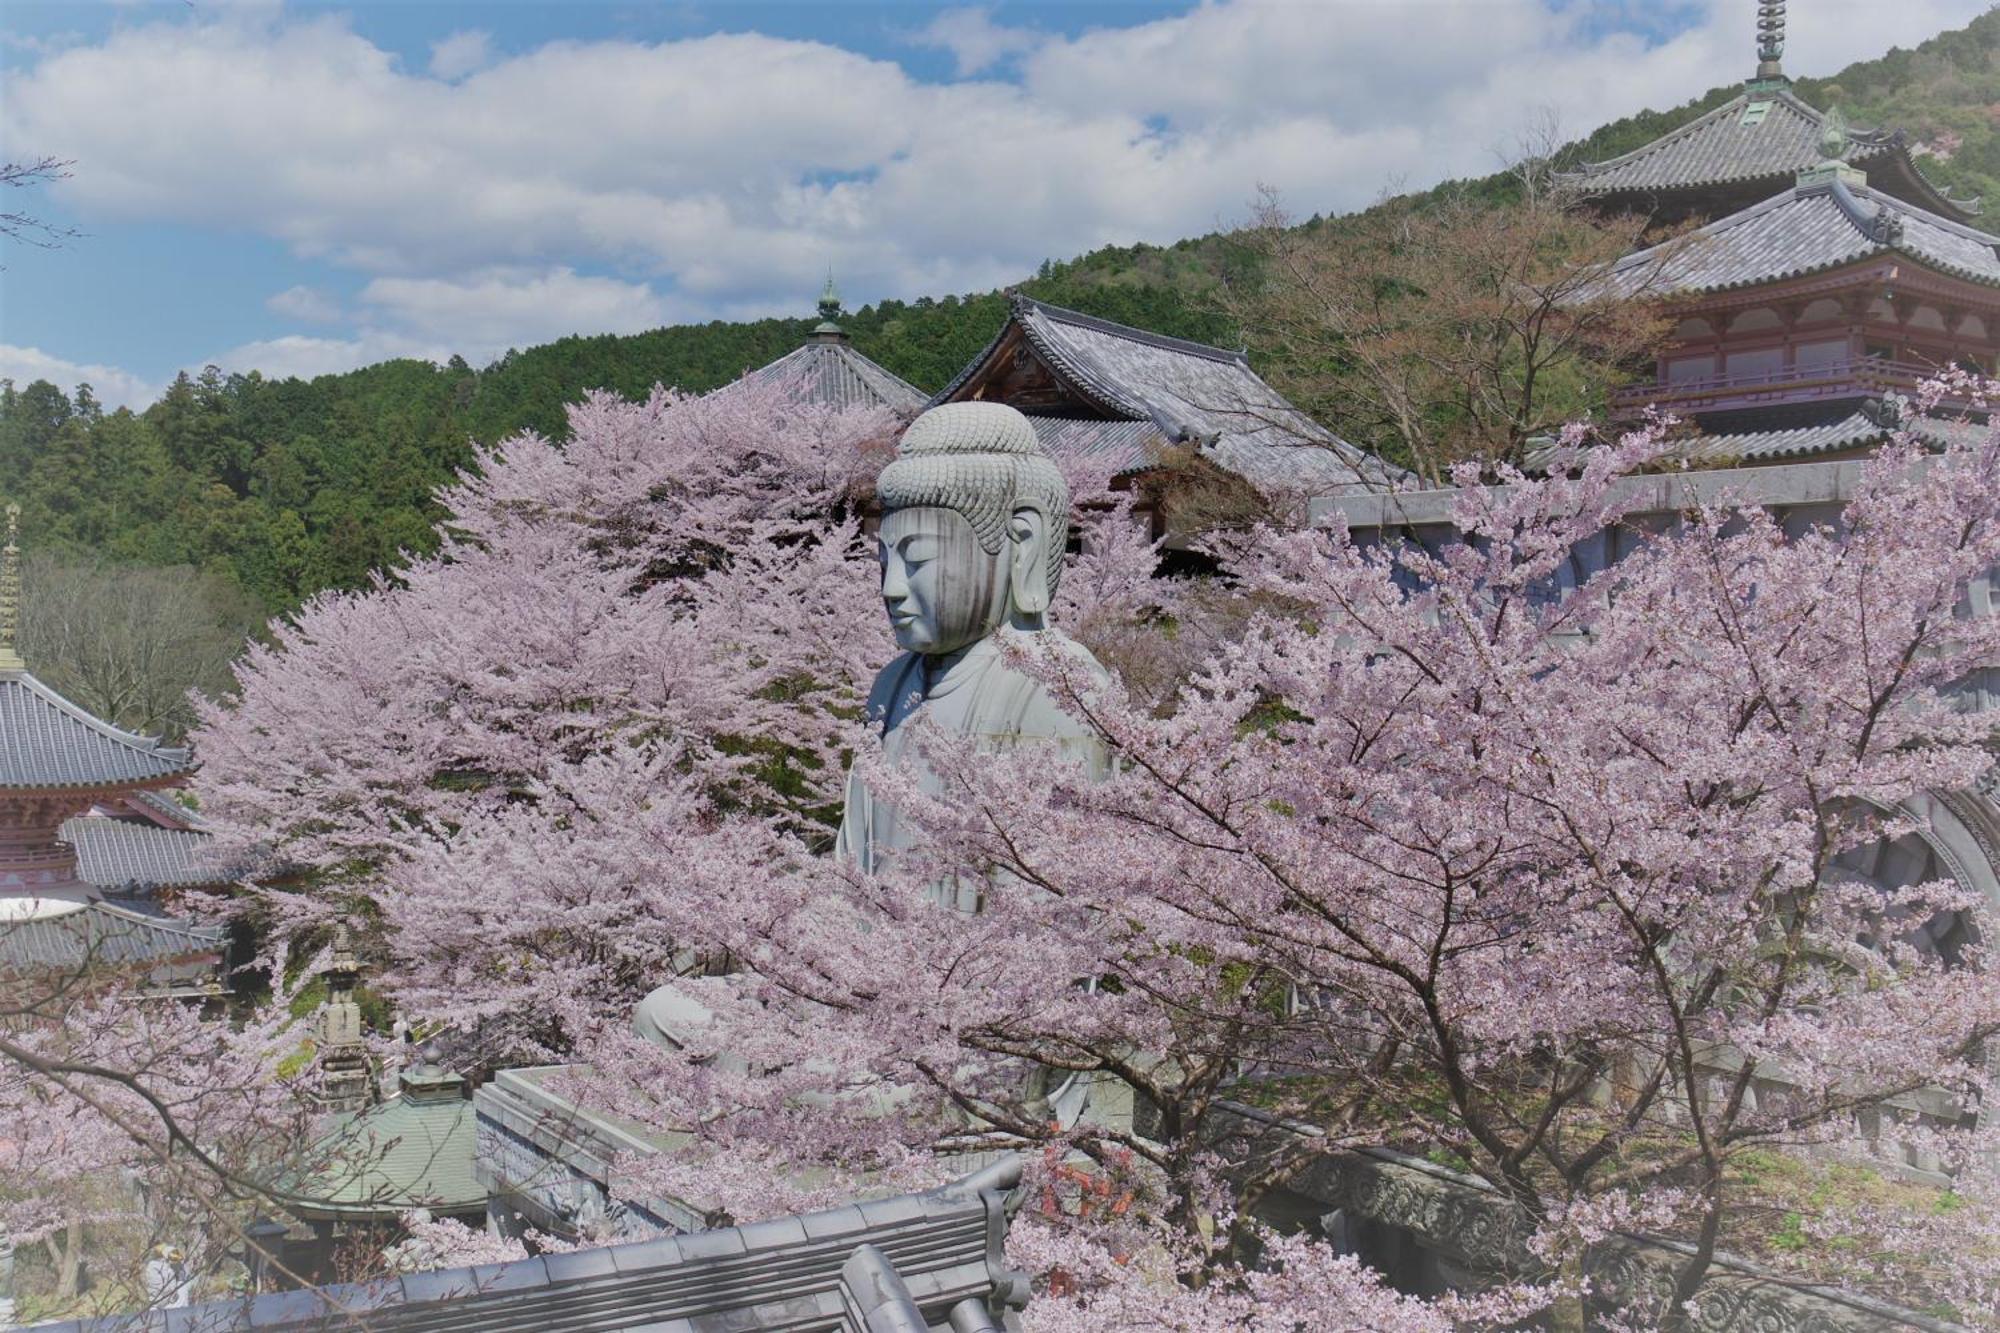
1802	318
58	761
1751	147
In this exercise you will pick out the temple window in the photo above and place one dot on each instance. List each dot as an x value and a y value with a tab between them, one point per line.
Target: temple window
1826	352
1687	369
1755	361
1820	311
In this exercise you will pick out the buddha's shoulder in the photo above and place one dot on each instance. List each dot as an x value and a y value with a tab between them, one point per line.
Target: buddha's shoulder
903	673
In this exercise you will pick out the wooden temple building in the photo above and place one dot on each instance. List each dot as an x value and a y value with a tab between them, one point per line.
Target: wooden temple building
61	770
1140	401
1828	281
1134	402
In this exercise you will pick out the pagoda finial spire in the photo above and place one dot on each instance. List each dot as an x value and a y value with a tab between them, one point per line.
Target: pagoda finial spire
10	594
1770	39
829	311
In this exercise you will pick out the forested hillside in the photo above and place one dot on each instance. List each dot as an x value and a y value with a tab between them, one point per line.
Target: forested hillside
286	487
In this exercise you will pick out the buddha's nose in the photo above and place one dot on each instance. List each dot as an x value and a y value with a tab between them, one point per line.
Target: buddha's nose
895	584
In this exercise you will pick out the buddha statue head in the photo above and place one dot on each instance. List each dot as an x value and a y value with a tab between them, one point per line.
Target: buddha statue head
974	524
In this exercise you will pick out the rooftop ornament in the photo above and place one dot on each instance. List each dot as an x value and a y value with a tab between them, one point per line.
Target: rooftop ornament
1770	41
829	310
1833	136
10	593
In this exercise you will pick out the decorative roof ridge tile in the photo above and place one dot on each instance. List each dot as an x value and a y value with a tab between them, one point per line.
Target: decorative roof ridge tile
1883	199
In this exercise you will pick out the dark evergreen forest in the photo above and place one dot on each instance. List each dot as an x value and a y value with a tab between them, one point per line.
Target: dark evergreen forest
285	487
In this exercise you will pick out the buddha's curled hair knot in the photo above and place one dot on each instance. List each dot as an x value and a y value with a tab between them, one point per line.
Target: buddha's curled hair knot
984	461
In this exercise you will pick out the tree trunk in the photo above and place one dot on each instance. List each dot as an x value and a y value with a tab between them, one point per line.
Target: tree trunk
67	1256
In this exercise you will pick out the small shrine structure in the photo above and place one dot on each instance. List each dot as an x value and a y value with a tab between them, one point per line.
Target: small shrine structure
827	370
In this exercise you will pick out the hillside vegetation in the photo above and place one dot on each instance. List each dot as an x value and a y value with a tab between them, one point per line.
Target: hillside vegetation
287	486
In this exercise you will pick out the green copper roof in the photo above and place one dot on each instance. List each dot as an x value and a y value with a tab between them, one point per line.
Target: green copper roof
413	1151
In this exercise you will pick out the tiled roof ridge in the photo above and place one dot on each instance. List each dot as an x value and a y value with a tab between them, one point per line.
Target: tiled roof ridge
149	744
1871	140
178	761
1187	346
1870	225
948	1245
207	936
809	359
1883	199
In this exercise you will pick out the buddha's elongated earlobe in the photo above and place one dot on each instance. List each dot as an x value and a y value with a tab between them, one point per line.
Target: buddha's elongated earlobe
1028	536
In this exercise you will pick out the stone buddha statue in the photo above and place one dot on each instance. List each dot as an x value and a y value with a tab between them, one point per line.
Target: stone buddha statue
974	524
975	518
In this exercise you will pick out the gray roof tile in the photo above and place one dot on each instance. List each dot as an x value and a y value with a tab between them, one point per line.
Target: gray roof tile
1767	437
1722	146
1864	428
1807	229
124	854
1184	392
743	1278
105	935
832	373
47	741
1727	148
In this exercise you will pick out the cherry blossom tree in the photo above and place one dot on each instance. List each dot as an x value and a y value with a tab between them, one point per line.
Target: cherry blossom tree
129	1121
1436	850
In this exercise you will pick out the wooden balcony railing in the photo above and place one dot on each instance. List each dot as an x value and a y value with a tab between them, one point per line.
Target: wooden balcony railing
1788	384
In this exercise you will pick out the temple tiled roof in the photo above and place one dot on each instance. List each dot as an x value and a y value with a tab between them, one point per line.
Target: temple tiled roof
1865	427
163	809
47	741
125	854
932	1261
1125	446
413	1151
1189	393
1809	228
829	371
41	936
1760	135
1768	436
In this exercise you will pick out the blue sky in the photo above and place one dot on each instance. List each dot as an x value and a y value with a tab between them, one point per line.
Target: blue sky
301	188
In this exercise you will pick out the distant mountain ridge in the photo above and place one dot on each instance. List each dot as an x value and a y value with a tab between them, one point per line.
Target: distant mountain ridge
289	486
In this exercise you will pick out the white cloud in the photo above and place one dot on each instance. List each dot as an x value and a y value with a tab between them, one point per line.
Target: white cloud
975	41
723	175
461	53
112	386
306	303
511	308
